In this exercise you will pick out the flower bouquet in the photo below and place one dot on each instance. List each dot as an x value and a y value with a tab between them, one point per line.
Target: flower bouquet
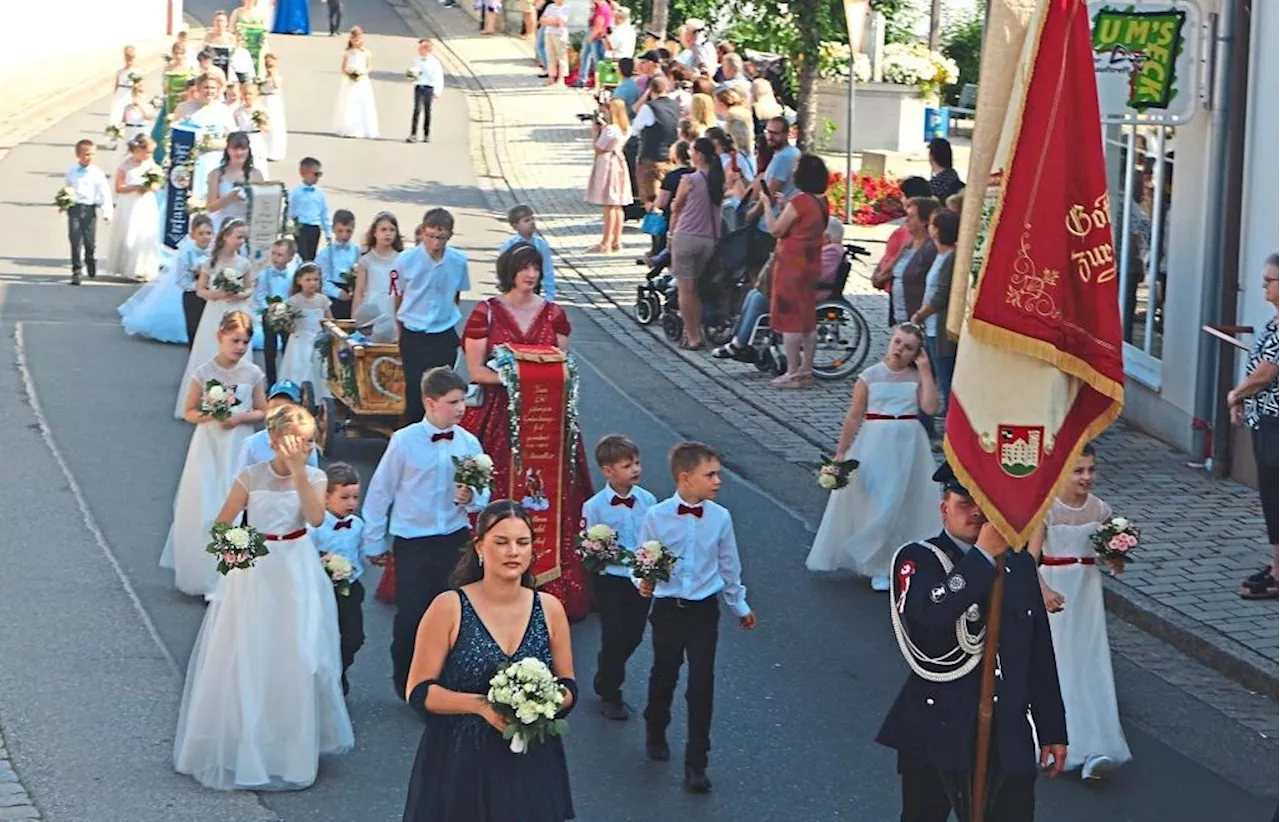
354	75
412	74
259	119
339	570
114	132
206	143
134	78
196	206
65	198
157	102
280	316
528	695
652	562
217	400
599	548
235	546
474	472
348	280
153	178
1115	538
834	474
229	280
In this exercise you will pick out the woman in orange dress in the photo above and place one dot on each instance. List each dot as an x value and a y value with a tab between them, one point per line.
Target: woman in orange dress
796	268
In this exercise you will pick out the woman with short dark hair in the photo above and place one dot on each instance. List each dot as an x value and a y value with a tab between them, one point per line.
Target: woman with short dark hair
945	181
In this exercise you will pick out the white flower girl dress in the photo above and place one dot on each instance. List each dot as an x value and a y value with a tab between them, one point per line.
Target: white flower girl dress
301	361
263	696
357	115
205	346
891	498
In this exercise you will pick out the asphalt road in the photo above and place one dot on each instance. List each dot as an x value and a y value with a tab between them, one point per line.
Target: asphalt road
94	639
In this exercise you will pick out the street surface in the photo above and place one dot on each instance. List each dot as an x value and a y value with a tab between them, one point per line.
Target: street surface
94	639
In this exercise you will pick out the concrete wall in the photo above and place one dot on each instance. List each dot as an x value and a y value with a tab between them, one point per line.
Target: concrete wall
50	28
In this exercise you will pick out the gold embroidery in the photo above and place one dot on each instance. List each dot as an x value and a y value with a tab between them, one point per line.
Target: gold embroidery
1029	291
1097	262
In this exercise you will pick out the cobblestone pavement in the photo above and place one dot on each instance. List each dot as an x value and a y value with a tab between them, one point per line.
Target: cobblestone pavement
1201	535
15	802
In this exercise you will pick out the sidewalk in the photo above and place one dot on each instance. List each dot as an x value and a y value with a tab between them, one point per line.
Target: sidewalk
1201	535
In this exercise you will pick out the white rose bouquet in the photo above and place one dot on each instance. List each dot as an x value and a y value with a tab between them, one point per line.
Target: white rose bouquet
280	316
834	474
114	132
652	562
599	548
259	119
65	198
528	695
474	472
217	400
153	178
134	78
1114	539
229	280
340	570
413	74
235	546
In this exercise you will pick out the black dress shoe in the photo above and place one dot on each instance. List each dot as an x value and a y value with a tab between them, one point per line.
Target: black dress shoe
614	710
695	780
656	747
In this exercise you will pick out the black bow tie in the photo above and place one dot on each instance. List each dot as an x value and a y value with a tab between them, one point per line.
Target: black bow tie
695	510
342	523
630	502
444	435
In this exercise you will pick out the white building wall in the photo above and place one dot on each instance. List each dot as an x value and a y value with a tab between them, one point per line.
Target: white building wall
52	28
1260	217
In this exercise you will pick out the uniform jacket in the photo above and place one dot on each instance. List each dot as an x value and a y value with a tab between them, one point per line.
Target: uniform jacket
936	722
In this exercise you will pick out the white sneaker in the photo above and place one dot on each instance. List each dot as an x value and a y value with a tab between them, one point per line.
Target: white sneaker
880	582
1095	767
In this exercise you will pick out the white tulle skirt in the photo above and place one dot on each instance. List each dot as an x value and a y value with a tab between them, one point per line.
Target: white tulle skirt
301	363
134	251
278	136
357	115
155	310
263	696
890	500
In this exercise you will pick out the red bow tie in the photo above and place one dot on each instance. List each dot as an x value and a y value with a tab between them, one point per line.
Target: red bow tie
695	510
630	502
446	435
342	523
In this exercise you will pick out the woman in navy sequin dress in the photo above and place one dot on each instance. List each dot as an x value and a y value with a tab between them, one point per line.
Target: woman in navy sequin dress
465	771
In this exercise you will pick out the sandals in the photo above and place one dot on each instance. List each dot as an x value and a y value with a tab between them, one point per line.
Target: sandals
796	380
1261	585
729	351
685	346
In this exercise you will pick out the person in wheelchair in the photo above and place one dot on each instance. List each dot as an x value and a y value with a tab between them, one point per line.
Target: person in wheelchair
756	304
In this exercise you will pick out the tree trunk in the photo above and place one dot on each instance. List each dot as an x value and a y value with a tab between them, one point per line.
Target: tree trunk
661	13
807	106
935	25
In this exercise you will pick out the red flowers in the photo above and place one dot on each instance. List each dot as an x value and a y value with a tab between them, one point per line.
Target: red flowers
875	199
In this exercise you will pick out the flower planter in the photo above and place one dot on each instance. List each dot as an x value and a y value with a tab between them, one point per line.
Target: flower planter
886	117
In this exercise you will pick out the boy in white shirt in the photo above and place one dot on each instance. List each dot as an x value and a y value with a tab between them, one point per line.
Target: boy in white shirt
621	505
686	610
90	191
342	533
274	283
414	498
428	85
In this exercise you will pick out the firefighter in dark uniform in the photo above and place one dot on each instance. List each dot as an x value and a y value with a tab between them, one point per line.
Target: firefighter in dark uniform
940	589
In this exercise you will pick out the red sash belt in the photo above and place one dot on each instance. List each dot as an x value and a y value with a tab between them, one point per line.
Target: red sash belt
1047	560
890	417
298	534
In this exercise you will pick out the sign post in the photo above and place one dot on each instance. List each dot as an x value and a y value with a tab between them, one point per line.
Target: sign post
855	17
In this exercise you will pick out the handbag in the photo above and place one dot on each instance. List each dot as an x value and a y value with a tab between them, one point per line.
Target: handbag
654	224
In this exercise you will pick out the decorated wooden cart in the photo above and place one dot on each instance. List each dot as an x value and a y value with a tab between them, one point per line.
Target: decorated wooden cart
366	387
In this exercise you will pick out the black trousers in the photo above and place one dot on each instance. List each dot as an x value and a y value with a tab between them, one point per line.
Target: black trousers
341	309
351	622
82	231
273	343
308	241
684	629
192	309
928	794
422	98
419	353
1265	449
335	16
622	616
423	565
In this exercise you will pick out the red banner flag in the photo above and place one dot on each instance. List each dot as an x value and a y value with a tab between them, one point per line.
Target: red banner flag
1039	370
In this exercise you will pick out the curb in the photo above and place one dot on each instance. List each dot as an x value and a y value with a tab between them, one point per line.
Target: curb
1226	656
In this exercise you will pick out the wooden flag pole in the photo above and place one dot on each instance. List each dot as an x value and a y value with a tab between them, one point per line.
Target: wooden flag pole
986	706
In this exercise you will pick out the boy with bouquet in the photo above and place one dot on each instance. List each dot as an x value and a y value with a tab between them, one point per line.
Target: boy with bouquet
619	507
340	541
698	533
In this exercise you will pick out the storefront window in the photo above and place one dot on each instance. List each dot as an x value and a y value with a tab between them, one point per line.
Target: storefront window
1141	159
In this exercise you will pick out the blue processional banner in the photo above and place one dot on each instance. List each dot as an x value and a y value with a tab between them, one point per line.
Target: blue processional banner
182	143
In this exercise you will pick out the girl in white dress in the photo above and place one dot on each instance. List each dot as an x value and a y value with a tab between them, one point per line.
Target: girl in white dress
134	251
123	90
382	243
212	455
273	100
225	255
225	183
156	309
357	116
263	696
253	119
1072	587
301	361
212	121
137	115
891	498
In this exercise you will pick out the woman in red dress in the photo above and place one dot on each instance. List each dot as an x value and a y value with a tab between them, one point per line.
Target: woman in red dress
519	315
797	268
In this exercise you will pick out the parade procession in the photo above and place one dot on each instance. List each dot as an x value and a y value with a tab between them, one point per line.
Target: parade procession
455	386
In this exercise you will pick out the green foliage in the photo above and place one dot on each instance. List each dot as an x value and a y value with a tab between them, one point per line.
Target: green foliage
900	18
964	46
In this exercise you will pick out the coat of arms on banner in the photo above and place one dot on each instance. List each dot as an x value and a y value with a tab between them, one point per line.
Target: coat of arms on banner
1021	447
